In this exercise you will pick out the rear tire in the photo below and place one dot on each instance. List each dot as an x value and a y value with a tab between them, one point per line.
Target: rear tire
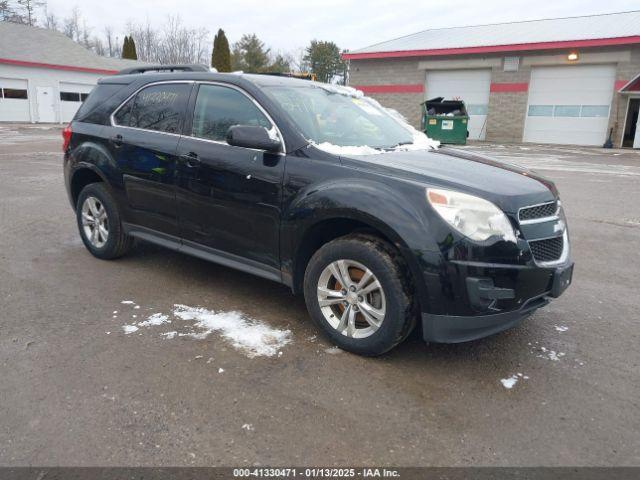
358	291
99	223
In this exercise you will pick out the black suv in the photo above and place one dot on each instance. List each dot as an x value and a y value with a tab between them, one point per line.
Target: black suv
322	189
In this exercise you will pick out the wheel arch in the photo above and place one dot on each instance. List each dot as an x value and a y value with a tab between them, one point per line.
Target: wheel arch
82	176
331	228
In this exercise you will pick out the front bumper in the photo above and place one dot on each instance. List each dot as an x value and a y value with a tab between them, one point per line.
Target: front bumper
456	329
495	302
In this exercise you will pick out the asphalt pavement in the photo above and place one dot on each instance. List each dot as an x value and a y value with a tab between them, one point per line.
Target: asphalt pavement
77	389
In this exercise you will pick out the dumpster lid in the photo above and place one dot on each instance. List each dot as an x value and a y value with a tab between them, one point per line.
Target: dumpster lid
440	106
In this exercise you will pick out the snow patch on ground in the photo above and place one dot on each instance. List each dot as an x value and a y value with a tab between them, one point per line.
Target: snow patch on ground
333	351
129	329
154	320
510	382
250	336
560	161
550	354
246	334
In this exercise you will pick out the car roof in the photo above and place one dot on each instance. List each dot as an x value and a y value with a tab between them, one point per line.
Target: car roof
260	80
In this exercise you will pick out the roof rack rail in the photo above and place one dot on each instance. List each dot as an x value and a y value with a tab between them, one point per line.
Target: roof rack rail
163	68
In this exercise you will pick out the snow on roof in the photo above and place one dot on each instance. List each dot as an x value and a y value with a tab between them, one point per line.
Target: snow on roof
549	31
25	45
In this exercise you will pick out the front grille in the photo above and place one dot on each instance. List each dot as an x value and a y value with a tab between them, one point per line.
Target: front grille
538	211
547	250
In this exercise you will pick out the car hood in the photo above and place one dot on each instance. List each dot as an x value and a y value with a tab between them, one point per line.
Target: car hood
506	185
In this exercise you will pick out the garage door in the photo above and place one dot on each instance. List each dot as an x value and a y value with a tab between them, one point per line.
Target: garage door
71	97
569	104
14	100
471	86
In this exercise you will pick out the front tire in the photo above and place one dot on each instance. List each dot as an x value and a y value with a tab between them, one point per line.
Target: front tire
358	291
99	222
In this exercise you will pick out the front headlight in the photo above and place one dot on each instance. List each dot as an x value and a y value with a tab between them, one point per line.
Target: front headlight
472	216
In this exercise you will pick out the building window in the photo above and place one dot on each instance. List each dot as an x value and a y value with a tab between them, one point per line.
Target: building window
594	111
83	96
588	111
14	93
566	111
70	96
541	110
477	109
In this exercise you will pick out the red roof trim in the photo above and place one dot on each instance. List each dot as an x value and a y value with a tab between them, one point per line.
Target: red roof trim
407	88
509	87
601	42
633	86
620	83
22	63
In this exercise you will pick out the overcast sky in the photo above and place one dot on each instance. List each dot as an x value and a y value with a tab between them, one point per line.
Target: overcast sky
289	24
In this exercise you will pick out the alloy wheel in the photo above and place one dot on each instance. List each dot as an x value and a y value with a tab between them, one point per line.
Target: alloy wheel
351	298
95	223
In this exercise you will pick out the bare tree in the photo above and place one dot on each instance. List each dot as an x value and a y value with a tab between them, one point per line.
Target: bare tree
98	47
180	44
110	41
9	13
71	25
85	35
173	43
297	60
29	8
51	21
146	40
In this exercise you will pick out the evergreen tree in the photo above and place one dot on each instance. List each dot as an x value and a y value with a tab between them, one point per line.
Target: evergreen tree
221	55
280	65
132	45
324	60
125	48
250	54
129	48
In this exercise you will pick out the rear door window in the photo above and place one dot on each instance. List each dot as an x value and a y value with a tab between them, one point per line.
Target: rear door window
158	107
218	108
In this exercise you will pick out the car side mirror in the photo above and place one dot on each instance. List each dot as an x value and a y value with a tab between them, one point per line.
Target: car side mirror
250	136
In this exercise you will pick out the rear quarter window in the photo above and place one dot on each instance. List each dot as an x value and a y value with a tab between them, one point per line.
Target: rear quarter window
157	107
89	111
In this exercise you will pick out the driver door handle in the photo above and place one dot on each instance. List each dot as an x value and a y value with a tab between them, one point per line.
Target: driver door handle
191	159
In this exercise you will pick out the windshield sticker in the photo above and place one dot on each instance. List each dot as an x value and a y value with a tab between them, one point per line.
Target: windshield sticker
368	108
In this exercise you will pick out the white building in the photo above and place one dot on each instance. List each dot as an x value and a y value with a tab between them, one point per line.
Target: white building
45	76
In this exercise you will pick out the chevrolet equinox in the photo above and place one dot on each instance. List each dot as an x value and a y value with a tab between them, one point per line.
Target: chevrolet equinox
322	189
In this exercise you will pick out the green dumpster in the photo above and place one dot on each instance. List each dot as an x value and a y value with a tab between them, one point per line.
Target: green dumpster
445	120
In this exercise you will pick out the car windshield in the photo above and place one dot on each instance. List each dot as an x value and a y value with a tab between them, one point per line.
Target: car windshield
343	120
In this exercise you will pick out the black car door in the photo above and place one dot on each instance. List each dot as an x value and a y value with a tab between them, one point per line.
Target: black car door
144	140
229	197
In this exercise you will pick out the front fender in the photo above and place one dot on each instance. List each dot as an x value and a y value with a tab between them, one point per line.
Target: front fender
397	211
